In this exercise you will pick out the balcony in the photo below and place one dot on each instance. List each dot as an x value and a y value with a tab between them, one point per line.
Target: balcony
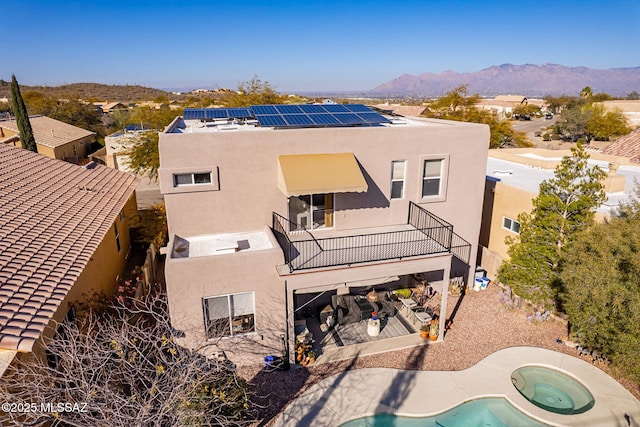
423	234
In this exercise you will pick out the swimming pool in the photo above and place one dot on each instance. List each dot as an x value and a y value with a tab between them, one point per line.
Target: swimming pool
481	412
552	390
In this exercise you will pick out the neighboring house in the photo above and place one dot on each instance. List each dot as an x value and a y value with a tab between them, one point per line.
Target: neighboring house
118	143
112	107
64	234
513	181
276	212
503	105
54	139
630	109
626	146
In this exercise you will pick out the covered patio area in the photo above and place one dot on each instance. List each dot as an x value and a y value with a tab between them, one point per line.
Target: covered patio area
341	321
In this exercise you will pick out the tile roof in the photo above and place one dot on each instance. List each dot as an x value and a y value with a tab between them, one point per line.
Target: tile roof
626	146
53	216
49	132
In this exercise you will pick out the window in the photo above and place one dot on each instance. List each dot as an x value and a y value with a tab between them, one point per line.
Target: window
115	227
511	224
229	315
311	211
191	178
397	179
432	178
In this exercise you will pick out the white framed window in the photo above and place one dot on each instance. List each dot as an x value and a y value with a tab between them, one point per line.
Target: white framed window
228	315
195	178
398	171
511	225
432	177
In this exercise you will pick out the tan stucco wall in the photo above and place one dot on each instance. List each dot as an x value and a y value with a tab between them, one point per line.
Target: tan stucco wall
82	148
248	167
192	279
510	202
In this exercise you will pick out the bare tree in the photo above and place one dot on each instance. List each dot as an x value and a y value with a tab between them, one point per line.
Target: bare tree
122	367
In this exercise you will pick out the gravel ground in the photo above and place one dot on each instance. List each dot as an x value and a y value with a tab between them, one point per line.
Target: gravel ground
481	326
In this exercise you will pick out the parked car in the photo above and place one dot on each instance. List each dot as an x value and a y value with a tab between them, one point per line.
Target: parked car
548	116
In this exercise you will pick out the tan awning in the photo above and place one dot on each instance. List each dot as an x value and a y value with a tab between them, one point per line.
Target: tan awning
300	174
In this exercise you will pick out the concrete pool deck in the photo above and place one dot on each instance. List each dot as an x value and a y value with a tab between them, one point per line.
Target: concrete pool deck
364	392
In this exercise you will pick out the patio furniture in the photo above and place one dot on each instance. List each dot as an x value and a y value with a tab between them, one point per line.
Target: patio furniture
408	304
423	317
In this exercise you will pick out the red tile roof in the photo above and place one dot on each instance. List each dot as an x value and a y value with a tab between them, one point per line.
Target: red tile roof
626	146
53	216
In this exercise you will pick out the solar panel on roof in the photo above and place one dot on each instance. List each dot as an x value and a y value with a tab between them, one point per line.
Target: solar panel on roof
311	108
372	118
297	119
264	109
336	108
193	113
348	118
239	113
271	120
288	109
216	113
358	108
324	119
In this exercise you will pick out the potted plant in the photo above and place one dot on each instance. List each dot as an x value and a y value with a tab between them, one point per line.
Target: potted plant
424	331
312	356
434	329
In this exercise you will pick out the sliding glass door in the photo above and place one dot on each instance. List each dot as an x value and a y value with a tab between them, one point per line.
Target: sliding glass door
311	211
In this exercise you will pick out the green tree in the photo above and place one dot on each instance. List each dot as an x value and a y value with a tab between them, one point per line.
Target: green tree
565	204
526	109
253	92
457	105
144	156
586	92
601	278
22	117
603	124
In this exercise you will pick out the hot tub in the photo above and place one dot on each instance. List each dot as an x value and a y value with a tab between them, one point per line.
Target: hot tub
552	390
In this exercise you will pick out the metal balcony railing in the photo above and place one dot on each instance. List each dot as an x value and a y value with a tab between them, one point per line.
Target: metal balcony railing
425	234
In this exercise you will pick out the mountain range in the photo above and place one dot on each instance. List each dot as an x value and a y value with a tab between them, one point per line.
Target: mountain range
529	79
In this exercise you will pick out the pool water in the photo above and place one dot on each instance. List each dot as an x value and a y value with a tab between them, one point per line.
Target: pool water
481	412
552	390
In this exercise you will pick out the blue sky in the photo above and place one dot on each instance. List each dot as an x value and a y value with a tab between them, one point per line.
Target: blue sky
331	45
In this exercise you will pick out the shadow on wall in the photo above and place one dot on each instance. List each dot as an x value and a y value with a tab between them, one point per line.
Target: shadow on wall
372	198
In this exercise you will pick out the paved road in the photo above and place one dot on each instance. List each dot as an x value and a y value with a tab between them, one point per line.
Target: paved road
531	126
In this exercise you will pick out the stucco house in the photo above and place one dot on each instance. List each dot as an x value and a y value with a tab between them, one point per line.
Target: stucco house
513	180
65	234
281	216
54	139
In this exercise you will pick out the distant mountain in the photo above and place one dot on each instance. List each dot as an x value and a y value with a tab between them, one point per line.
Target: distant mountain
530	80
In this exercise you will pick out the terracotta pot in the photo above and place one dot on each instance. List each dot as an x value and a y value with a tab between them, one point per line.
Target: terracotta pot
433	337
424	334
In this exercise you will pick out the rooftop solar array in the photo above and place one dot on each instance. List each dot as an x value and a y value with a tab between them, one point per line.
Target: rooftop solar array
288	116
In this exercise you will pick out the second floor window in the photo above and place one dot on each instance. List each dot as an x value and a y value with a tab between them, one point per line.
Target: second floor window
397	179
511	225
432	178
191	178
